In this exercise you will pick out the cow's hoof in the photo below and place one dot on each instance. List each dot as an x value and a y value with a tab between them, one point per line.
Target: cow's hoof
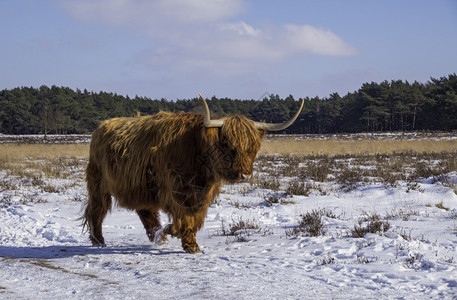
159	237
193	250
99	245
97	242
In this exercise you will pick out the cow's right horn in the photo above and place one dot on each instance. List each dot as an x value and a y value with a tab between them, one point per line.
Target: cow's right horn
279	126
207	120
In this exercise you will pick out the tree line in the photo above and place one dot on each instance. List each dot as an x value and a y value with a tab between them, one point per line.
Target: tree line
387	106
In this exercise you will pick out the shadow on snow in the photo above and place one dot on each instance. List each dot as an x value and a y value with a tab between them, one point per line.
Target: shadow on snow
50	252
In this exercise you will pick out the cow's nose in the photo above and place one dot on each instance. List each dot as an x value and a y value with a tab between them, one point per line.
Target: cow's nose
246	177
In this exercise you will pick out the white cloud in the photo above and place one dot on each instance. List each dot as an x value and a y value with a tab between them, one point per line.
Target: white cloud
241	28
276	43
306	38
201	35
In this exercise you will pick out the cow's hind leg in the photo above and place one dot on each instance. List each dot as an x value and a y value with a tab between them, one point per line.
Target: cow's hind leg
93	217
97	207
151	223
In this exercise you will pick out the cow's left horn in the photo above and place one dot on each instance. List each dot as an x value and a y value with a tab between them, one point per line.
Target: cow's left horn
281	126
207	120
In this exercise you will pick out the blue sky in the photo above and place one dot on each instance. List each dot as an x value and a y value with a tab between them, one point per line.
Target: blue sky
228	48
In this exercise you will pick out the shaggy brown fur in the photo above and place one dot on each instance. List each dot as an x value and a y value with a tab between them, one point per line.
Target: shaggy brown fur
169	162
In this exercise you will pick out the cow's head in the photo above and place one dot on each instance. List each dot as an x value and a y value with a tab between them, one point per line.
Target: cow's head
235	143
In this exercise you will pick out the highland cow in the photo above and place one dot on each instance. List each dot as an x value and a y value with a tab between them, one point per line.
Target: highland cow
174	162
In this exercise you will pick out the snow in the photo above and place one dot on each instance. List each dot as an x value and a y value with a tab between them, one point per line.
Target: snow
41	138
407	135
45	254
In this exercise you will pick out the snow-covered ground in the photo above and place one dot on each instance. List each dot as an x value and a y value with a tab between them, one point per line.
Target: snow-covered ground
42	139
45	255
380	136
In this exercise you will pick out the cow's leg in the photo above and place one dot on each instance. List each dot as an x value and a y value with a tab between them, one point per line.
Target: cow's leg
151	223
186	229
189	240
94	215
189	227
97	206
97	215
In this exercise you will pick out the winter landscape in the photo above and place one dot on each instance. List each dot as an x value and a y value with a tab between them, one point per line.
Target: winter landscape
308	225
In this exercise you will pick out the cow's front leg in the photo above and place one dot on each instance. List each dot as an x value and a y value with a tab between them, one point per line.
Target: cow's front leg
185	230
189	241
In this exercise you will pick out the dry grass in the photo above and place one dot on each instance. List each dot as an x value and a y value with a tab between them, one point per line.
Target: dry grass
38	164
354	147
310	162
271	145
10	153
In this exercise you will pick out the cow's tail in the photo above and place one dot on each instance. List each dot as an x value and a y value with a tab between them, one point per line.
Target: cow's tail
84	218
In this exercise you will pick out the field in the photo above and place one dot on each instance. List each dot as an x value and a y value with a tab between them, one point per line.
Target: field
341	217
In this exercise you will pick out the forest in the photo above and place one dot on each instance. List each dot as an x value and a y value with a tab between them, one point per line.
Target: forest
375	107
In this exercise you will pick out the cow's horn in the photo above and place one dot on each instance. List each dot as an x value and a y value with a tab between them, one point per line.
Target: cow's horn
280	126
207	120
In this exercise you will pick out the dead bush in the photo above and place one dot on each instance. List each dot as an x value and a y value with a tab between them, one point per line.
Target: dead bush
370	223
311	223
